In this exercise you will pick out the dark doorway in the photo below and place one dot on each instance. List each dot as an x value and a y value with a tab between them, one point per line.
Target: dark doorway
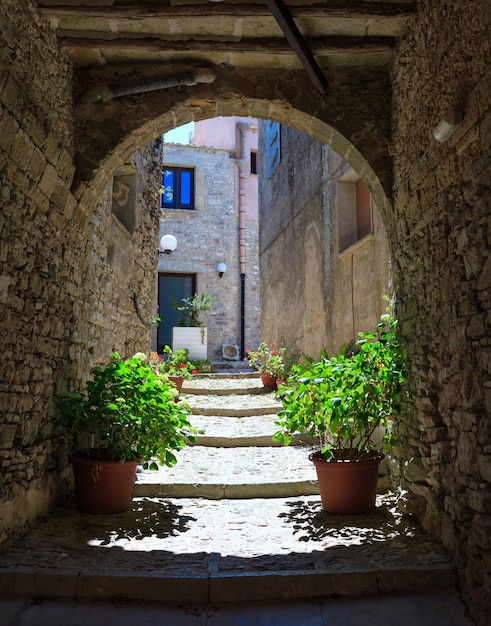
171	287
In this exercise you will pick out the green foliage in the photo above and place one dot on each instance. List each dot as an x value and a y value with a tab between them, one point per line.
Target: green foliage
173	363
190	308
127	412
202	365
269	360
342	400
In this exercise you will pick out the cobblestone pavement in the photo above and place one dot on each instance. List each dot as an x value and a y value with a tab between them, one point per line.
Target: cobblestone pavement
200	536
228	546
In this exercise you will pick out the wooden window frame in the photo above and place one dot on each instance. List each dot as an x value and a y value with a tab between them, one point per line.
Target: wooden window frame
176	203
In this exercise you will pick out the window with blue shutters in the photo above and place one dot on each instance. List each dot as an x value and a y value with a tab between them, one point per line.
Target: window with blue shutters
177	188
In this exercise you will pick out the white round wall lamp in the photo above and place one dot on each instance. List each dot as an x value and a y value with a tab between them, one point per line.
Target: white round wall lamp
168	244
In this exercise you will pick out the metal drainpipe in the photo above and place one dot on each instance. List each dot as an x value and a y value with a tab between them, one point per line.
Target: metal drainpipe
242	162
188	77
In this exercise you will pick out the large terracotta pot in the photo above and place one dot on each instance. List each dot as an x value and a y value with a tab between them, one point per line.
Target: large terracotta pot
103	486
347	487
268	381
178	382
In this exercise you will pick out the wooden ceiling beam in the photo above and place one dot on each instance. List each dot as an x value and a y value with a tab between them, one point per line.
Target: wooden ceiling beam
297	42
353	9
321	45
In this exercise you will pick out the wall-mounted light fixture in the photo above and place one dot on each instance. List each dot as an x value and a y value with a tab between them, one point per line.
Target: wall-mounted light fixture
441	133
221	269
167	244
448	125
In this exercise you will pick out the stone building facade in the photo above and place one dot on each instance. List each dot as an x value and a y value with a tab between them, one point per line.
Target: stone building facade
58	155
340	273
209	233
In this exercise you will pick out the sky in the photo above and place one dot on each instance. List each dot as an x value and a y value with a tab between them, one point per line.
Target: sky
179	134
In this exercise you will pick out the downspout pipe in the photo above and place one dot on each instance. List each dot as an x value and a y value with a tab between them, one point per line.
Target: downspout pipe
189	77
243	127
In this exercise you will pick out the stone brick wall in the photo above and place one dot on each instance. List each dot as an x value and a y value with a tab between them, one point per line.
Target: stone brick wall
208	235
117	266
57	264
65	270
441	237
37	255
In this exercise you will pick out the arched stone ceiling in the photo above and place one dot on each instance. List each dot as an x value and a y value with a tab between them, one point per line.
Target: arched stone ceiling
119	47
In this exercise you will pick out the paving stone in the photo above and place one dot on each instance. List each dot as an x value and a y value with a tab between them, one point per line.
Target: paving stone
226	524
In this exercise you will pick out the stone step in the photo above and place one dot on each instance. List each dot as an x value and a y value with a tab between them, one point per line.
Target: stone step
231	367
220	385
233	472
239	390
230	432
233	405
200	551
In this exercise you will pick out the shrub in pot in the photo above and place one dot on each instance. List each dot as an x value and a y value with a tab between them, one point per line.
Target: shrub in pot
174	365
342	402
126	415
190	309
190	333
269	362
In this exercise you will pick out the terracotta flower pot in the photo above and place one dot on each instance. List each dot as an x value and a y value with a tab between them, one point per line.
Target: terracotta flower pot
103	486
178	382
347	487
268	381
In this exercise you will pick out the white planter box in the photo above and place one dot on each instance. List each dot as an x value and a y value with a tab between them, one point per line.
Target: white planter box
193	339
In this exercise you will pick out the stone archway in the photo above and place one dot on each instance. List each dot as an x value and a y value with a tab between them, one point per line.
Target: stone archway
359	131
440	224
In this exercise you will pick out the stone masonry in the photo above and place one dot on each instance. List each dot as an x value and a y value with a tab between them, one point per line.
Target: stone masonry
209	235
60	253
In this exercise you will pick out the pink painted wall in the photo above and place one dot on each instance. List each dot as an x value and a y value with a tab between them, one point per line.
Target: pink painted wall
222	133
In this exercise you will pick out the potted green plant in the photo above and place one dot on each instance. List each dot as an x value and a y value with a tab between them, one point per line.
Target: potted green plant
269	362
126	415
341	402
174	364
190	333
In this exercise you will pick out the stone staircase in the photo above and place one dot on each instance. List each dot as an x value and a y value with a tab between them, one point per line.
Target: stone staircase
237	519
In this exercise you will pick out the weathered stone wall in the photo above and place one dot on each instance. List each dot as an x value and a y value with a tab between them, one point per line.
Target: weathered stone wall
210	234
292	244
438	230
65	270
442	239
329	296
38	260
118	266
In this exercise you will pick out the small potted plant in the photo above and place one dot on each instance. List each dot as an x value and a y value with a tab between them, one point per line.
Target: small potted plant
174	364
190	333
126	415
270	363
341	402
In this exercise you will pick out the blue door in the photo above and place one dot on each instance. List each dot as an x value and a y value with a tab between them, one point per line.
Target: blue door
172	287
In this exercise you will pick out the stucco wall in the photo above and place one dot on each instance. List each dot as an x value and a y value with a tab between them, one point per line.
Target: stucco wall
358	276
330	296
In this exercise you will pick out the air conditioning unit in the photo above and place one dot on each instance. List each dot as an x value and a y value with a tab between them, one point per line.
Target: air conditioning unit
230	352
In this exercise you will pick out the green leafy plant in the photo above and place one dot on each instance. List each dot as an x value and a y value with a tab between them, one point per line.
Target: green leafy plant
268	360
173	363
202	365
342	400
190	309
126	412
